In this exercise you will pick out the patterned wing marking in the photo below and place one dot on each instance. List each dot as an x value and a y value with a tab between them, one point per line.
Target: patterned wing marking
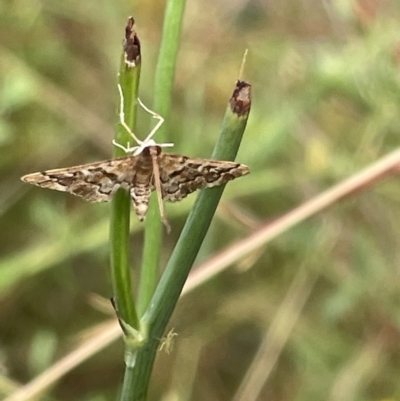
95	182
181	175
140	195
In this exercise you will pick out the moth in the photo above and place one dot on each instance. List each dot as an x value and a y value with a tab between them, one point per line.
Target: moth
177	176
147	169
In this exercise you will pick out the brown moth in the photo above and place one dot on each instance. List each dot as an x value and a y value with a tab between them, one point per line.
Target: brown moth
178	176
147	169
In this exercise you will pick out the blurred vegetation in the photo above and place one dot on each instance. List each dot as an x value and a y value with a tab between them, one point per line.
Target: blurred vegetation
326	91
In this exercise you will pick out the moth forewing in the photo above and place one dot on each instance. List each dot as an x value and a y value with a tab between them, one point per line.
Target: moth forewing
95	182
181	175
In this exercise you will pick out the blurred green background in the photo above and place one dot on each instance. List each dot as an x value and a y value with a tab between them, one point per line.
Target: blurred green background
326	99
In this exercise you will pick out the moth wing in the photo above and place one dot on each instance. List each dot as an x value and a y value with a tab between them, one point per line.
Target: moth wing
181	175
95	182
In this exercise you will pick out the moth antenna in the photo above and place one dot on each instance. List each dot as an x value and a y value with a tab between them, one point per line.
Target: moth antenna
126	149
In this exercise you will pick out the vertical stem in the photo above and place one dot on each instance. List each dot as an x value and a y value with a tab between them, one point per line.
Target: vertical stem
121	204
170	286
162	101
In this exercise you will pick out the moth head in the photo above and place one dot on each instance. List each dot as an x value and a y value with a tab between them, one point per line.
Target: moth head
149	150
143	145
150	142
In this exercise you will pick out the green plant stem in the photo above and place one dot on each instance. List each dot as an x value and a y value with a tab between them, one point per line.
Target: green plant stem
195	229
121	206
168	290
162	103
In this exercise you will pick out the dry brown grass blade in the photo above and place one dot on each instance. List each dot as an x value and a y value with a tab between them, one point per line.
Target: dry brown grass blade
276	336
106	333
357	374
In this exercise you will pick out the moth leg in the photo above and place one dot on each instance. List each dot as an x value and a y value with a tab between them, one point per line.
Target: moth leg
122	117
154	115
126	149
148	140
136	150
